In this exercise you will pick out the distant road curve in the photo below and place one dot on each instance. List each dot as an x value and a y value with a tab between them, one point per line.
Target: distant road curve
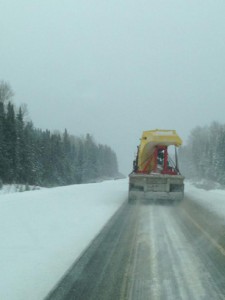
151	252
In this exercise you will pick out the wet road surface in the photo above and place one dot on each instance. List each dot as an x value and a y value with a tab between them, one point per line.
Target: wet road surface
151	252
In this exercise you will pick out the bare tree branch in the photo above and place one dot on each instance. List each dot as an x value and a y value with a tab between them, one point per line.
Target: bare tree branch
6	92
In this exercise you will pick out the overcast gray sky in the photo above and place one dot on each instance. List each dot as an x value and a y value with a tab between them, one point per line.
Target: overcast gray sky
116	68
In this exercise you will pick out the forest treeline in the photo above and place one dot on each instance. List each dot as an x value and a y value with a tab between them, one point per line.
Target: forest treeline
204	155
39	157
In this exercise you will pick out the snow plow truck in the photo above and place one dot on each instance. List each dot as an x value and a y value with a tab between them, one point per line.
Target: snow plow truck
155	174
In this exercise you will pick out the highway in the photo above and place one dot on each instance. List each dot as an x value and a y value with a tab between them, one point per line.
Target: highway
151	251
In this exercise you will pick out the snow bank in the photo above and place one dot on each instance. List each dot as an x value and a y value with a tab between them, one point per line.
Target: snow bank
43	232
14	188
213	200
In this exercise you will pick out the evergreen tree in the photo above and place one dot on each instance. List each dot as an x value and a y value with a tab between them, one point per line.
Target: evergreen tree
11	141
46	158
29	155
89	170
3	162
20	148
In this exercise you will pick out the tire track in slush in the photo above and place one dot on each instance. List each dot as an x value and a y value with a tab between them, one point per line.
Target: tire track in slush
149	252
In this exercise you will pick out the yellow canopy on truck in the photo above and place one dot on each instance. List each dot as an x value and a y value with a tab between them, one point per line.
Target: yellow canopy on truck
152	138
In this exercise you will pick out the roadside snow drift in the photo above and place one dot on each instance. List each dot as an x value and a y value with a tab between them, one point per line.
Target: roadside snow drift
43	232
213	200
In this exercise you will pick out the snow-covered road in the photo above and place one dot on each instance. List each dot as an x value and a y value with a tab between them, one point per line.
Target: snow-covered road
156	251
43	232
